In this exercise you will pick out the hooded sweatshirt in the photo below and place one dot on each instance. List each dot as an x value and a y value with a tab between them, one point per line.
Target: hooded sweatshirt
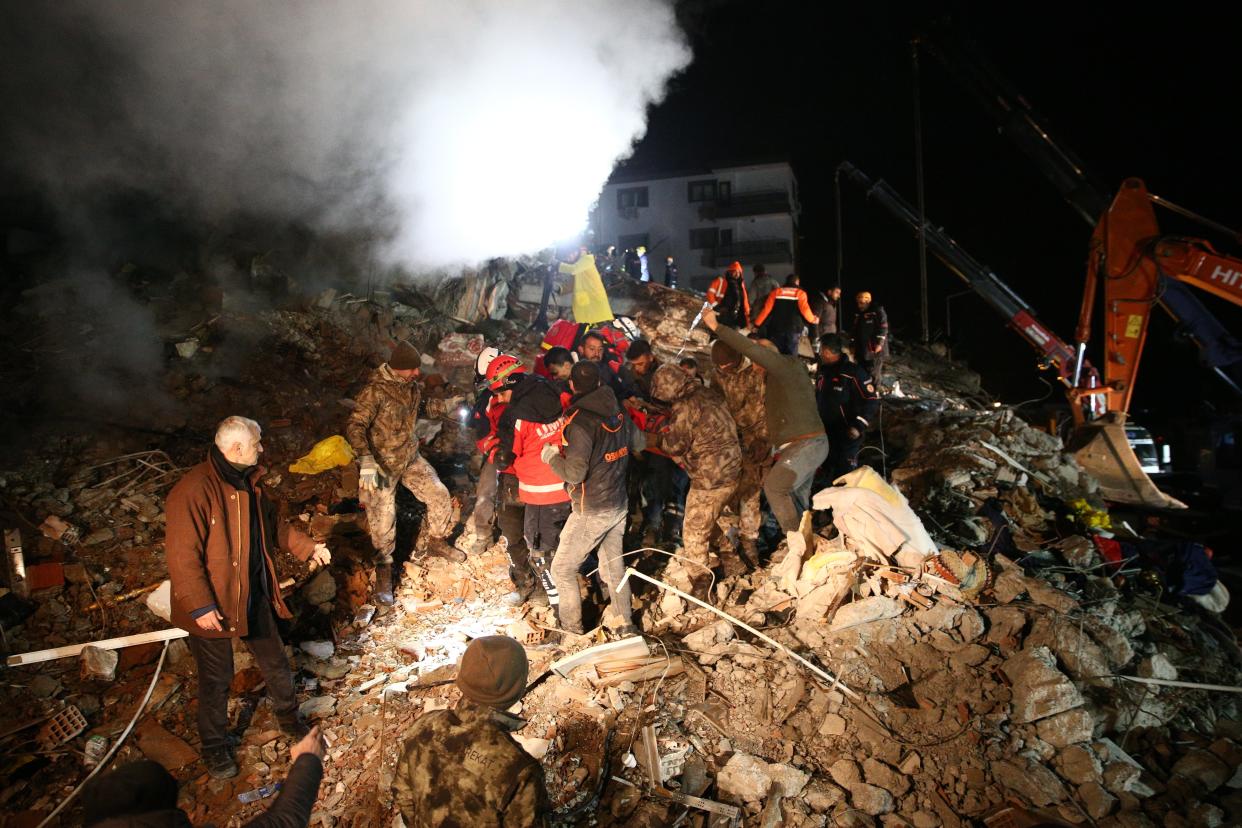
701	435
595	452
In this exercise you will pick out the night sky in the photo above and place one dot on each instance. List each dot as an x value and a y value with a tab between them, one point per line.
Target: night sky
1132	92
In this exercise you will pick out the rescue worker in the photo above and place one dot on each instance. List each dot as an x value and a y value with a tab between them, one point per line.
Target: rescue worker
381	432
762	285
640	366
727	294
691	366
848	403
483	420
870	335
793	422
829	311
221	530
593	462
593	347
590	299
743	384
701	438
784	312
461	766
533	418
644	274
670	272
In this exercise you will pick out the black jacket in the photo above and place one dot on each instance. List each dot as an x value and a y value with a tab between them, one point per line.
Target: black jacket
870	329
479	423
535	400
846	396
596	452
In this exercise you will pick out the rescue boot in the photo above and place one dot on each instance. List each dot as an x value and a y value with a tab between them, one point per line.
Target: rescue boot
295	727
383	583
440	548
748	551
220	763
523	587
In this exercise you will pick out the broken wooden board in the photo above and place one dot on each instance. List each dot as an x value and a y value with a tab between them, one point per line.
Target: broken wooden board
633	647
665	668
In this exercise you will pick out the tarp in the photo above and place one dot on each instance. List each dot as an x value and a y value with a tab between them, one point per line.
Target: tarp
326	454
877	525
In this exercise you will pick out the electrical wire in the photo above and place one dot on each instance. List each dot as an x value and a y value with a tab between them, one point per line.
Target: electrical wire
103	763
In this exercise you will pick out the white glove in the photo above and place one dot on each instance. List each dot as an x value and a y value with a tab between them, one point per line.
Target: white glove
368	471
321	556
548	452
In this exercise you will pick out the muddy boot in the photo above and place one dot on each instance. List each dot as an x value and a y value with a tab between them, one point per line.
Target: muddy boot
748	551
701	586
523	587
220	763
440	548
383	584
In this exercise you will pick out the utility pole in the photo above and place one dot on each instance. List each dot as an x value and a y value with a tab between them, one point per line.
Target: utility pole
918	174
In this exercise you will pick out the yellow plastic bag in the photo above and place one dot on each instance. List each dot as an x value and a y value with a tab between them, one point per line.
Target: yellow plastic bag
326	454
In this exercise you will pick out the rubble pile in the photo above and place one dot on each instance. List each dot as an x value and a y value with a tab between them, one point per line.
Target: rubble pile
917	654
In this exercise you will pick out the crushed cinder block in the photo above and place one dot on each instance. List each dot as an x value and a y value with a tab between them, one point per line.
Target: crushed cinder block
1040	690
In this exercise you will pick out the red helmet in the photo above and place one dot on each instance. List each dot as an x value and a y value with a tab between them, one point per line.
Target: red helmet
736	267
504	372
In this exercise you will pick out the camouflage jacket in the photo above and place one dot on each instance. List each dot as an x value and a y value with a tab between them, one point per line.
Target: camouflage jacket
462	768
382	424
743	391
701	435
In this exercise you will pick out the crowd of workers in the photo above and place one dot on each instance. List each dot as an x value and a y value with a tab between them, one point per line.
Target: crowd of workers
597	436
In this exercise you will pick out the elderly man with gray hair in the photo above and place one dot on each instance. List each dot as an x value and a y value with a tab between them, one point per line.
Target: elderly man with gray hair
221	533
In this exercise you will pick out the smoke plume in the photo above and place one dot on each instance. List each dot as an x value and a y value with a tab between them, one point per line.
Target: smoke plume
450	130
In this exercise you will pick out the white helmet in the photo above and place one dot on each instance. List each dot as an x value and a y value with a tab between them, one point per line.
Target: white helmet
485	359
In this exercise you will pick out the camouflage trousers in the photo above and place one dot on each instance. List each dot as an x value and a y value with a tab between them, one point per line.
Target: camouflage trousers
744	505
381	505
703	508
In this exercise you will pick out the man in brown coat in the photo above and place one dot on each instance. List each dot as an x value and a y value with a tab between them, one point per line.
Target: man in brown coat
461	767
701	438
381	433
221	532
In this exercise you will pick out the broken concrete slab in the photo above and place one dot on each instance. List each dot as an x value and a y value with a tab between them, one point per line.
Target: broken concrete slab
1068	728
159	745
1032	781
865	611
1040	690
882	776
870	800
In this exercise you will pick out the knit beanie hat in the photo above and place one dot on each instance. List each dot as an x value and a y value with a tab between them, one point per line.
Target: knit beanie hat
405	357
141	787
493	671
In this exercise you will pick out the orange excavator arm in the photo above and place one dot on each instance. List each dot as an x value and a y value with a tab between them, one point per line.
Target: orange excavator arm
1128	259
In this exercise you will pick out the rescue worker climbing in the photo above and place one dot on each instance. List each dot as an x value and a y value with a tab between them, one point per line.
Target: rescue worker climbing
793	425
702	438
743	384
783	313
381	433
848	403
532	419
727	294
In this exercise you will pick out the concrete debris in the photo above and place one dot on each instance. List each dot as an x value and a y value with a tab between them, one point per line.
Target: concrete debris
869	799
99	664
1040	690
866	611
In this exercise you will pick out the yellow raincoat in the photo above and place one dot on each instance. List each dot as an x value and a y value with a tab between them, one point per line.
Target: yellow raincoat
590	299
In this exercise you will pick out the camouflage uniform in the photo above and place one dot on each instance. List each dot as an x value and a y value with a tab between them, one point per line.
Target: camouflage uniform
382	425
743	390
702	438
462	768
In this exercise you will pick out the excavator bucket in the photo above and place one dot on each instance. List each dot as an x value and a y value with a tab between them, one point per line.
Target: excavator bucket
1102	449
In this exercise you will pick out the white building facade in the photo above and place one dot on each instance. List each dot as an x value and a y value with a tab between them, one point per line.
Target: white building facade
704	220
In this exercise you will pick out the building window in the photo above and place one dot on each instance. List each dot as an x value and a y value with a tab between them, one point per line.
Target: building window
633	242
724	192
631	198
698	191
704	238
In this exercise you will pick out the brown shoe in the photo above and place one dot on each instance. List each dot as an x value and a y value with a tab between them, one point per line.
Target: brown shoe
440	548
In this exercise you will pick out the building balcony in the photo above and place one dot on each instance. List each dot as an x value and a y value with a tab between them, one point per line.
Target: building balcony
754	251
763	203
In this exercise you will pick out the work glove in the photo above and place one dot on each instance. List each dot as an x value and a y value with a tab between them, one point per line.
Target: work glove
368	472
322	556
548	452
853	433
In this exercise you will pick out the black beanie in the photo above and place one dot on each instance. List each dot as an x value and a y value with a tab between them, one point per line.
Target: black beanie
140	787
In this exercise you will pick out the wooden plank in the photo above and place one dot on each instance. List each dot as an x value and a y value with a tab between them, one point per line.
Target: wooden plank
633	647
654	671
72	650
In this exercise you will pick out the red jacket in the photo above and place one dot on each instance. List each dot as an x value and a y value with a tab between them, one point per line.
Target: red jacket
649	423
538	485
487	445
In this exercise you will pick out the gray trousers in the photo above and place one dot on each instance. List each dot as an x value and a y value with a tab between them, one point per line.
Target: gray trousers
485	502
581	535
788	484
